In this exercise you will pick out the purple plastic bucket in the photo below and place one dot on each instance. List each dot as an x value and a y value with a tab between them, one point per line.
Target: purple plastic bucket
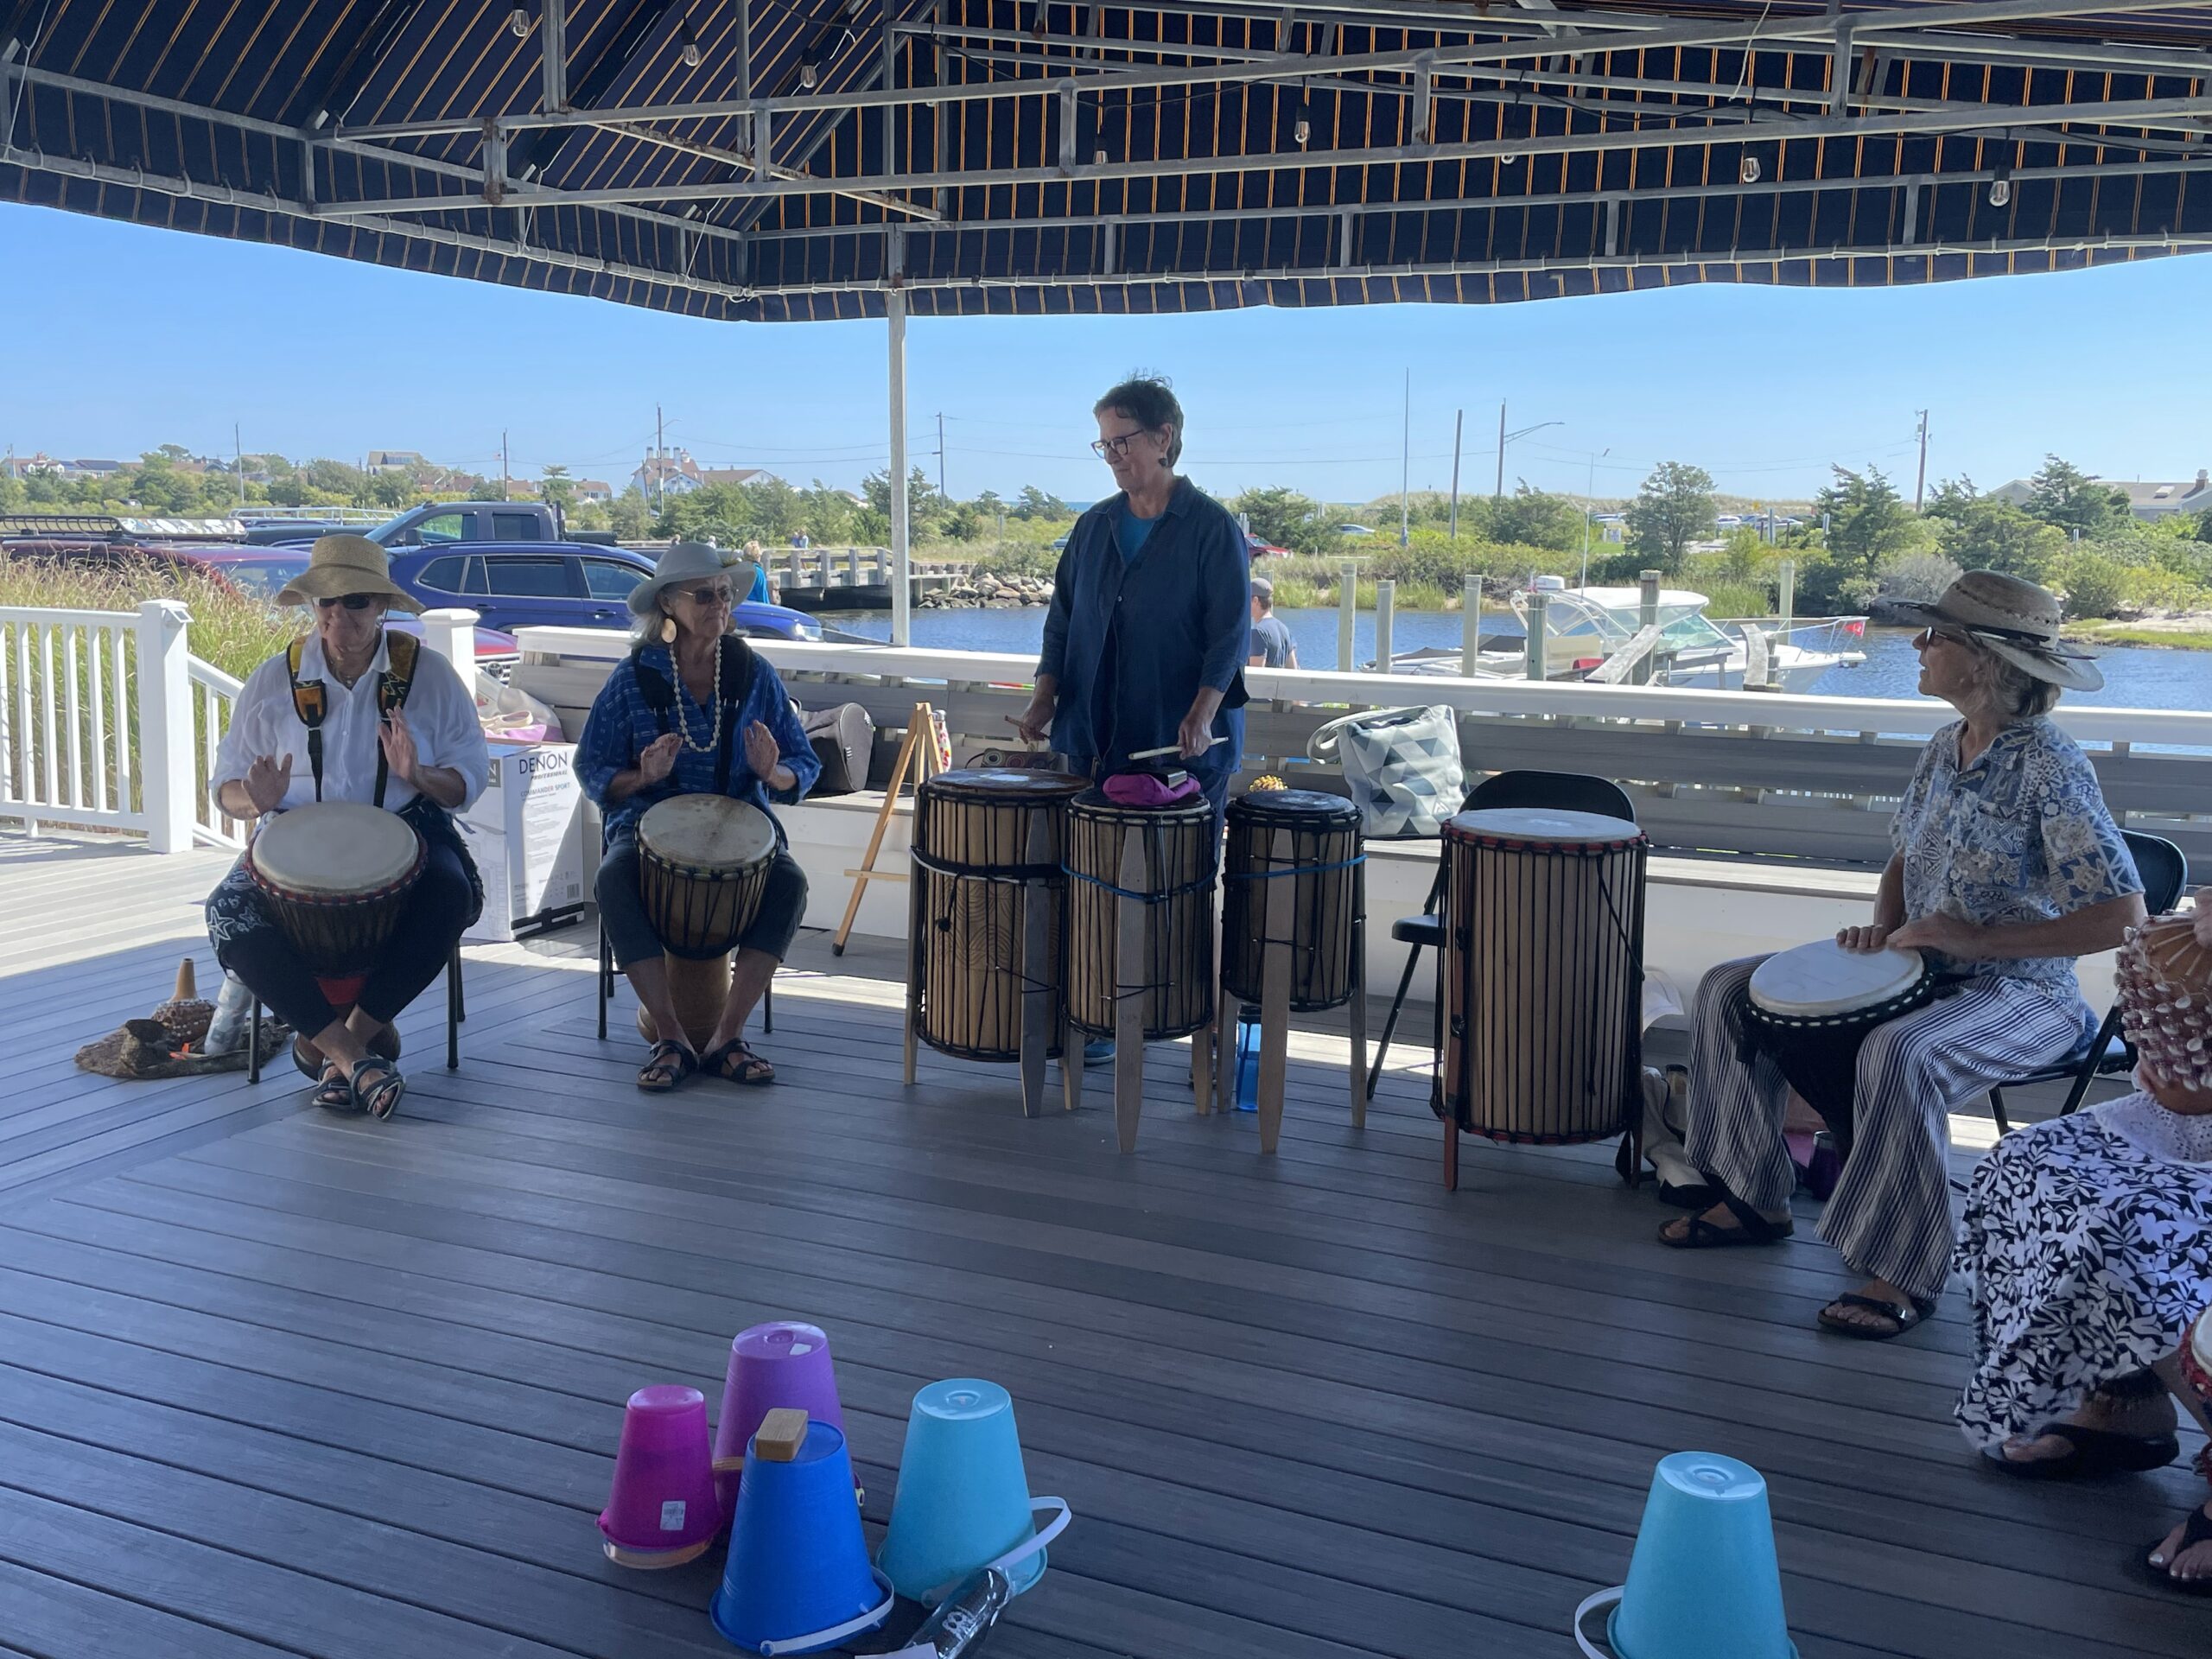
784	1364
663	1504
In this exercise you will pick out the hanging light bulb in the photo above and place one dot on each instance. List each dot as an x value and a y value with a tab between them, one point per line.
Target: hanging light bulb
1098	158
519	23
2000	188
1749	170
690	54
1301	130
808	75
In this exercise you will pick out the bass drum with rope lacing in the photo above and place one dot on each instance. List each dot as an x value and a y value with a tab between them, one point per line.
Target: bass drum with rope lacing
1174	882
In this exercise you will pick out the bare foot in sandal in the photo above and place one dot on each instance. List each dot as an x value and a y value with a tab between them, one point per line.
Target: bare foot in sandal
1727	1223
668	1065
1878	1310
734	1062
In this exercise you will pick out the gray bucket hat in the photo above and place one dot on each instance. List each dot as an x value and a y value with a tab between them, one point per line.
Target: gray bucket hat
689	561
2012	618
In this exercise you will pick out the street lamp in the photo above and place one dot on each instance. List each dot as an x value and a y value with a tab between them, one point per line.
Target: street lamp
1505	437
1589	490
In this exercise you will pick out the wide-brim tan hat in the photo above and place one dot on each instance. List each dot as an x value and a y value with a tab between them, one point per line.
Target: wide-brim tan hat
689	561
2012	619
338	565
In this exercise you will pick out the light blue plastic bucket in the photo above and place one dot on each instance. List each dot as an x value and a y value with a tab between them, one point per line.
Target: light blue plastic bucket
1703	1582
798	1579
964	1501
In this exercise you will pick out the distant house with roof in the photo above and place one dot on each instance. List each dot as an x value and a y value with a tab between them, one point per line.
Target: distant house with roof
668	471
731	474
394	461
2147	499
87	466
593	489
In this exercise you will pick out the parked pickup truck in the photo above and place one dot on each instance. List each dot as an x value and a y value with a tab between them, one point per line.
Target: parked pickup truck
438	522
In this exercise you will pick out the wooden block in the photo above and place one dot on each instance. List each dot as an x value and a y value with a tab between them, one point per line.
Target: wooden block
780	1435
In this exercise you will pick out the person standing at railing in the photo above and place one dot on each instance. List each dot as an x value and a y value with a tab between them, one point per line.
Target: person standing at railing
2007	868
393	727
763	590
1145	641
1271	645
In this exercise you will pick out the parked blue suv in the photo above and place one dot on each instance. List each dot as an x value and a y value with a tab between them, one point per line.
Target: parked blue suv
556	584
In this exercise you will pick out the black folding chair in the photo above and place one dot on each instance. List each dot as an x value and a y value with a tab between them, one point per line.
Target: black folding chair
1560	792
2165	870
606	990
456	1011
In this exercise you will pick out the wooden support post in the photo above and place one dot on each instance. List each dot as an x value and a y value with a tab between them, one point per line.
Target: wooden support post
1275	988
1132	919
1072	1039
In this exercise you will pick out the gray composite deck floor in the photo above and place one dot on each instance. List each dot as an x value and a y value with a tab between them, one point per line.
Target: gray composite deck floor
275	1381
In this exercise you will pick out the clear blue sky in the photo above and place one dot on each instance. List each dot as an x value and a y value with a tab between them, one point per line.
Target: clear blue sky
122	338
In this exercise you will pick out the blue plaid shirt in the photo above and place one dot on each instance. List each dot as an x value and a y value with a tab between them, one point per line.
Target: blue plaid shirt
622	722
2022	835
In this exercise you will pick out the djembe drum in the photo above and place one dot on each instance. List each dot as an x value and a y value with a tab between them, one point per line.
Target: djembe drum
2196	1356
1810	1008
988	904
1140	945
702	866
1543	976
335	875
1292	913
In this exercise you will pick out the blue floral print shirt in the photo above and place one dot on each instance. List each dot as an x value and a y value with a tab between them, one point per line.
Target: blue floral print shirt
2022	835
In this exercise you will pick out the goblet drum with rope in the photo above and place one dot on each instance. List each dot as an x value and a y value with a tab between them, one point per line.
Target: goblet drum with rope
335	875
704	863
990	901
1543	976
1140	932
1811	1007
1292	912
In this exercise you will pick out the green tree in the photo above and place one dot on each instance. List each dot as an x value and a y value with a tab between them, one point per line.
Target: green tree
829	516
2093	585
1981	532
1033	503
2062	494
1868	523
1674	508
628	514
556	489
1286	518
1530	518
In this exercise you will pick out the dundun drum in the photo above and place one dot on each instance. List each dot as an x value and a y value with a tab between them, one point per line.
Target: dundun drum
1176	990
987	847
335	875
1810	1009
1321	864
1542	974
702	866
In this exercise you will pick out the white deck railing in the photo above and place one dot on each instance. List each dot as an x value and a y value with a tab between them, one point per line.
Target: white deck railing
107	721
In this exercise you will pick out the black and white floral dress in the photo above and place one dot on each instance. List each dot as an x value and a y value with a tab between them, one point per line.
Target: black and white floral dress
2087	1252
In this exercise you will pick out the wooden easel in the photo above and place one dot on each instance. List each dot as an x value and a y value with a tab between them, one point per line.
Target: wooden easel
921	751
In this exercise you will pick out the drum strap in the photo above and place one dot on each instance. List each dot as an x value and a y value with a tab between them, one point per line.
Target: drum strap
311	700
735	677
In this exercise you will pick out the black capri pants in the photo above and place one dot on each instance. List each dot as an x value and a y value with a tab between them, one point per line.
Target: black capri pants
629	930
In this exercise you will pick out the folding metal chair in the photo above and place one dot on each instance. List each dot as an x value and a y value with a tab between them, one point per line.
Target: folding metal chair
456	1011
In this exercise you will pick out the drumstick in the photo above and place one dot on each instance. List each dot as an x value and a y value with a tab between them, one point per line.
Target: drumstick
1172	748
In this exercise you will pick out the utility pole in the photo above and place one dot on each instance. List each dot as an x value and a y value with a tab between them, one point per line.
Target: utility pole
506	474
1406	468
1920	486
1498	495
237	461
660	461
940	452
1458	425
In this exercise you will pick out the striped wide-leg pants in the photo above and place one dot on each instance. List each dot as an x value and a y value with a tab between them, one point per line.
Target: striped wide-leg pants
1891	1213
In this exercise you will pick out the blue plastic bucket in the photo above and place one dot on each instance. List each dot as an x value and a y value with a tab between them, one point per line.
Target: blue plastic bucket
798	1577
963	1500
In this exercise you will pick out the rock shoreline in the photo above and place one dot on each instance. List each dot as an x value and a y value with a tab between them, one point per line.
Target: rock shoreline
989	593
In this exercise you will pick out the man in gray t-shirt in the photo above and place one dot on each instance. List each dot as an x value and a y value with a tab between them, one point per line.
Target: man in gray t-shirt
1271	645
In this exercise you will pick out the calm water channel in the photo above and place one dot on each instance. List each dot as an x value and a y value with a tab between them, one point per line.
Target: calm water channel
2135	676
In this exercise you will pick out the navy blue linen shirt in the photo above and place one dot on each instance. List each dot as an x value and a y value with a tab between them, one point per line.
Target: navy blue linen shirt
1131	641
622	722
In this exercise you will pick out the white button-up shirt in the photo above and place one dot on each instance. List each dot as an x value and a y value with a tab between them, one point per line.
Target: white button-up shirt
440	712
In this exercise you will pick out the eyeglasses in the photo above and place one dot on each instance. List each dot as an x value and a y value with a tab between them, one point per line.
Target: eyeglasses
708	595
1947	636
351	601
1116	447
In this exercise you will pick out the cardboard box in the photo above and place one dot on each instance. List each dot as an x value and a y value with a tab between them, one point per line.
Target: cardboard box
525	832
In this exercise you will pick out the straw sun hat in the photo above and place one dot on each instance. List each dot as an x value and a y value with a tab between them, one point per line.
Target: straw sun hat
2012	618
338	565
689	561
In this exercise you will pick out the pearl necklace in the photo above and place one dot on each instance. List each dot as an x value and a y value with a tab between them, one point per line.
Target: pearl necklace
714	743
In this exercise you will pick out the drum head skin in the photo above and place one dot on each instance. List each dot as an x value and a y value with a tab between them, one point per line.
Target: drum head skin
999	783
1293	807
1823	978
336	846
1543	826
707	832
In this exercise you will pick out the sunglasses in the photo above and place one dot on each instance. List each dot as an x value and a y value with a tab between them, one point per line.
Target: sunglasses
351	601
708	595
1117	447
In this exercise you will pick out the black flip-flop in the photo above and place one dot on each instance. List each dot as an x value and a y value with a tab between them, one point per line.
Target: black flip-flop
2196	1530
2096	1451
1904	1315
666	1052
753	1073
1751	1228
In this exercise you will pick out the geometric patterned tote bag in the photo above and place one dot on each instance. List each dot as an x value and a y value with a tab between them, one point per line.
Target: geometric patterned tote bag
1401	765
